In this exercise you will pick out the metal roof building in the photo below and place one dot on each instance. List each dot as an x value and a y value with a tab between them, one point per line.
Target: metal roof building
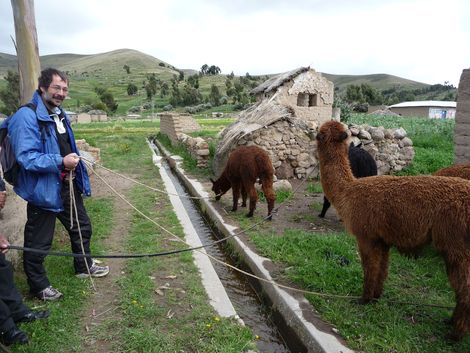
426	109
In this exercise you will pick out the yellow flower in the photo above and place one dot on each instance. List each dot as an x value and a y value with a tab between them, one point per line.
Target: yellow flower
208	325
216	318
134	301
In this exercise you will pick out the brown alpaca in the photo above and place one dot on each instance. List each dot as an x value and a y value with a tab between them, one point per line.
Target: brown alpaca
406	212
246	164
458	170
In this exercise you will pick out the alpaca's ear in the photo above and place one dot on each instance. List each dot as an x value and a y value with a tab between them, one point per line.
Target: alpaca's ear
344	136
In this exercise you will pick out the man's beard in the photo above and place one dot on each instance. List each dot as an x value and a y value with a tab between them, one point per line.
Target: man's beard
55	97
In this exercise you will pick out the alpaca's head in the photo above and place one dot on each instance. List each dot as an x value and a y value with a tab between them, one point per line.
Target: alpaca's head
331	133
217	188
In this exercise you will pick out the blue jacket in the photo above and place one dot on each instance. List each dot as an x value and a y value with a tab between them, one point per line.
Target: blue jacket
38	153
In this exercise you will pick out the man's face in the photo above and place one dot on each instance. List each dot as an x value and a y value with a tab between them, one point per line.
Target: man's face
55	94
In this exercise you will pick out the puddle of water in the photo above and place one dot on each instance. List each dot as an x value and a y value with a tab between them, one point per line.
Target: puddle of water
242	295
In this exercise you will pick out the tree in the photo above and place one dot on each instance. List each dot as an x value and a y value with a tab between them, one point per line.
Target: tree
204	69
181	75
132	89
26	47
107	99
193	80
127	68
10	96
213	70
164	89
354	94
214	95
190	96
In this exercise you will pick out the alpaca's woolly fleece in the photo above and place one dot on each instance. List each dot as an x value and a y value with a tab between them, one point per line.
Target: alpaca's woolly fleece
245	165
406	212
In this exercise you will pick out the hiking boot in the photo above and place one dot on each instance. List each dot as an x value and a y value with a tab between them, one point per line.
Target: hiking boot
49	293
95	271
13	336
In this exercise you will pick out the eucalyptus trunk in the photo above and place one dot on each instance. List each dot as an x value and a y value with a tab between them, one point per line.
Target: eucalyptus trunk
26	47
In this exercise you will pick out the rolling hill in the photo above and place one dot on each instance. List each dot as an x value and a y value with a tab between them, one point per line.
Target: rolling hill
110	63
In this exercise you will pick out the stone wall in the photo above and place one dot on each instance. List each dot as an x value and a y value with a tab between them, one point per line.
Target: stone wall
198	148
172	124
391	148
462	120
293	151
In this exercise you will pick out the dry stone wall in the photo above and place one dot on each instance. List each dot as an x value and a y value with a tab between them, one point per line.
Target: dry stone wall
197	147
462	120
391	148
293	150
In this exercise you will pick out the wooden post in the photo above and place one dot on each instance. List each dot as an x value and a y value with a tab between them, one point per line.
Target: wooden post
27	51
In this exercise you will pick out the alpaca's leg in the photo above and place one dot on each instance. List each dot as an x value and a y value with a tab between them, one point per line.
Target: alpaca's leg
250	188
244	195
372	254
326	206
235	195
458	271
383	271
270	197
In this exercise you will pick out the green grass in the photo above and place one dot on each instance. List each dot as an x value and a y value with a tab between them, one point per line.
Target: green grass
142	321
399	322
49	335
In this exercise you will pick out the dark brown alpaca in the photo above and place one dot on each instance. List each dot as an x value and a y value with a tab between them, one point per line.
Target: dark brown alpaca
458	170
406	212
246	164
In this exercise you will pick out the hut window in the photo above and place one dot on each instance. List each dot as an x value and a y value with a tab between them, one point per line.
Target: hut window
307	100
302	100
312	100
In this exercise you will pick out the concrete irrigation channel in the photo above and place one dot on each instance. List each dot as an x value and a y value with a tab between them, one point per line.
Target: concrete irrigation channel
284	320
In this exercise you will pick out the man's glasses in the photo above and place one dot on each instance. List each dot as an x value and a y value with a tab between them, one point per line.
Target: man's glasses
58	89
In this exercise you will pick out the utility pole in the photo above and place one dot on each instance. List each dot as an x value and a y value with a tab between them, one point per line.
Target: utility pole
26	45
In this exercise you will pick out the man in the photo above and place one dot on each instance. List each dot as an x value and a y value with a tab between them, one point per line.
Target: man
45	149
12	309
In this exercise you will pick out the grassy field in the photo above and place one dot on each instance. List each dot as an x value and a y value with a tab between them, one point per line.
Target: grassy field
409	318
180	320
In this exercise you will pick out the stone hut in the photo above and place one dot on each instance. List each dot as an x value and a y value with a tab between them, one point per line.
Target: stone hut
288	111
462	120
284	121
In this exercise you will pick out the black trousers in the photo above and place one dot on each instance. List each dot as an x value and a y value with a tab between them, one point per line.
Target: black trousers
39	232
11	302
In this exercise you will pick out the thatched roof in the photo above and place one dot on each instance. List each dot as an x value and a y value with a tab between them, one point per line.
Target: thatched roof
278	80
260	115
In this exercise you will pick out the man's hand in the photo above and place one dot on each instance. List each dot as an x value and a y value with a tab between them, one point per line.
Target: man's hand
70	161
3	199
4	244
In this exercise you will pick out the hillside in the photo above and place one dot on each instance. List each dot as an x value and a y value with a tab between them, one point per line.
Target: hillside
378	81
110	62
106	70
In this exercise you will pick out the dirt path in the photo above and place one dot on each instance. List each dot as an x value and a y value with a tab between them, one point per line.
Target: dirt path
103	304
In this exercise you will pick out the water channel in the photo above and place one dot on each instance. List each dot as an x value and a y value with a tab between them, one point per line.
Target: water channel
243	296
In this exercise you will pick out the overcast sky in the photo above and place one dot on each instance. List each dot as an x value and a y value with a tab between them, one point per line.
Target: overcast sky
422	40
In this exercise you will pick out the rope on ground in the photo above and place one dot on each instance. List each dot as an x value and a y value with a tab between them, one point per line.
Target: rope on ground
245	272
272	282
